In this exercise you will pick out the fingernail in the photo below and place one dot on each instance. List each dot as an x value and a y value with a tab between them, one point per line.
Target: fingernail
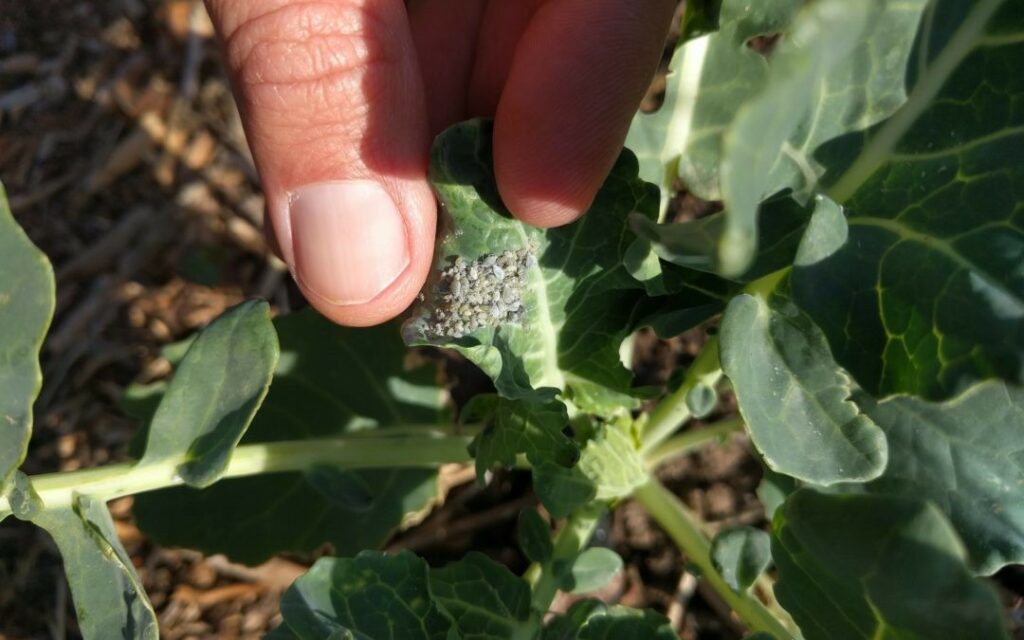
348	240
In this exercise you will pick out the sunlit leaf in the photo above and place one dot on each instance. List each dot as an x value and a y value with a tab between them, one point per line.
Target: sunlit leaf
26	307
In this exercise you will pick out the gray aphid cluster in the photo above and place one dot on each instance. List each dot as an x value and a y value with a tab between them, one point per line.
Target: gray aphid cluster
486	292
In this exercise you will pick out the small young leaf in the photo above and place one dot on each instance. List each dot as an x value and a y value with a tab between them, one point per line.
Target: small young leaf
555	315
23	499
861	566
612	461
109	598
590	570
701	400
562	490
330	380
741	555
484	600
371	597
26	307
773	490
794	398
534	536
215	393
533	427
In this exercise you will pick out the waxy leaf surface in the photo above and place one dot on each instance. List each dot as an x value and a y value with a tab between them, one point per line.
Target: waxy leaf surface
329	381
214	395
741	555
26	307
926	293
862	566
794	398
109	598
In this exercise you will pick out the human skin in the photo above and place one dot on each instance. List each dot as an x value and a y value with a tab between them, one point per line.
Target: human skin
341	98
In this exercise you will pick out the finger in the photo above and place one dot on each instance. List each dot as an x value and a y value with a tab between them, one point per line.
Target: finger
501	27
445	34
333	108
579	73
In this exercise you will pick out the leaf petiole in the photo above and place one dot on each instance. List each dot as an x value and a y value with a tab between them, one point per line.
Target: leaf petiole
692	439
429	449
675	410
679	523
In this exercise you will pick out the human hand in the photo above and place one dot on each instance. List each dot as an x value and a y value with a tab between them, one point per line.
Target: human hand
340	99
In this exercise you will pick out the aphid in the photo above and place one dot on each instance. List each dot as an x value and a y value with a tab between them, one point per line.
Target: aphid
498	272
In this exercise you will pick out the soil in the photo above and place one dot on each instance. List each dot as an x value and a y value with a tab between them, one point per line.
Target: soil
123	156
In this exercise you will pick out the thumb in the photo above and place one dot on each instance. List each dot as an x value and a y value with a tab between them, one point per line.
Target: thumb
332	102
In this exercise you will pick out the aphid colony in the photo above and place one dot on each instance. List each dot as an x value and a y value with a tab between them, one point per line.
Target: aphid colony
485	292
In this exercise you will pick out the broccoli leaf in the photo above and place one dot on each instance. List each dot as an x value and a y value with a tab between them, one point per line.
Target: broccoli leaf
794	398
329	381
573	300
397	597
741	555
966	455
923	293
863	566
109	598
215	393
26	308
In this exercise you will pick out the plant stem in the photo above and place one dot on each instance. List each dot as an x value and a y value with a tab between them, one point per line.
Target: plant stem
692	439
571	538
430	449
673	411
679	523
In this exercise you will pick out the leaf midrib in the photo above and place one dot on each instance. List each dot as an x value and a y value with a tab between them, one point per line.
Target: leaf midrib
878	149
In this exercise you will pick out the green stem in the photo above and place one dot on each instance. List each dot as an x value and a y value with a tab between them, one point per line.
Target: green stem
681	526
692	439
673	411
571	538
430	449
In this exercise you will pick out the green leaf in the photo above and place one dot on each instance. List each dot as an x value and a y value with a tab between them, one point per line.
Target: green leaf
622	623
214	394
861	566
839	68
533	427
26	308
926	294
330	380
773	490
562	490
694	244
108	595
965	455
709	79
396	597
610	467
567	626
534	536
591	619
373	596
741	555
612	461
484	600
794	398
590	570
575	298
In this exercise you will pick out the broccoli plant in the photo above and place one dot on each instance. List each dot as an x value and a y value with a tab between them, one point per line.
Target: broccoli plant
867	270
